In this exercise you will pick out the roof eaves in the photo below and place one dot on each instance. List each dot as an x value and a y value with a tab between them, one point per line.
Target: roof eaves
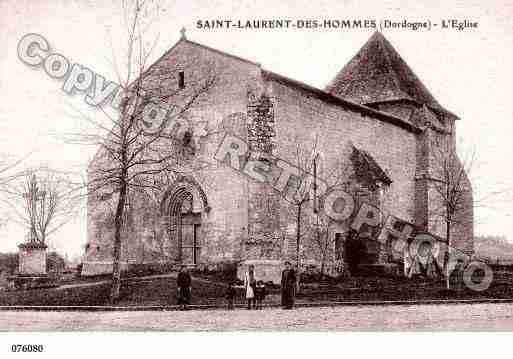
364	110
372	165
437	109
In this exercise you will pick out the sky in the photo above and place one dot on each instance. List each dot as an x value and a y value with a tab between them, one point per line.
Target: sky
468	71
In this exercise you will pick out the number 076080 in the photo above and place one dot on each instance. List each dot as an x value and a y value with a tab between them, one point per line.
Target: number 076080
27	348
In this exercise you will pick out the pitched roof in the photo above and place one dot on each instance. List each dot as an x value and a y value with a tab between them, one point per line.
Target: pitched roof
325	95
348	104
366	167
423	116
377	73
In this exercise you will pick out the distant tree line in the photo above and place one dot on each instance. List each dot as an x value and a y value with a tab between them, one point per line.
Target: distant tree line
493	248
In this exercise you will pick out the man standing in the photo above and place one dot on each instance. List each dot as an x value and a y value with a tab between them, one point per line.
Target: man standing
183	283
288	286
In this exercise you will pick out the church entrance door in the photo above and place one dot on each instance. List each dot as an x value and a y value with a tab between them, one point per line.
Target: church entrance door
184	204
191	245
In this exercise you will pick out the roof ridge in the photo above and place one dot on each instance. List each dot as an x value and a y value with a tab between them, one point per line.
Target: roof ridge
378	73
384	42
416	79
357	107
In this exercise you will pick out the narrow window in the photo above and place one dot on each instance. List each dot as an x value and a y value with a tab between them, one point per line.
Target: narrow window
181	80
187	137
339	246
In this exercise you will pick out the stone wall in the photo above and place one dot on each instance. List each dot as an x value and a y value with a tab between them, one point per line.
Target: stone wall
32	259
247	220
301	116
225	226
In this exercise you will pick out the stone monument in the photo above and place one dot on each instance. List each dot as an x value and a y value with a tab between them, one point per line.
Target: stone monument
32	259
32	271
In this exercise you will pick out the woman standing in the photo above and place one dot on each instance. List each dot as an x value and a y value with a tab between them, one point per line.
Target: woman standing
288	286
250	285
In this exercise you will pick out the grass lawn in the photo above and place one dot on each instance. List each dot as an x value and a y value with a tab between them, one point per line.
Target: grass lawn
91	295
392	289
162	291
134	292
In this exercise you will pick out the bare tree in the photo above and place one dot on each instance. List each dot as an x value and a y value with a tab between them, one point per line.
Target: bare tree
336	178
451	183
132	151
307	189
322	239
299	191
42	201
10	171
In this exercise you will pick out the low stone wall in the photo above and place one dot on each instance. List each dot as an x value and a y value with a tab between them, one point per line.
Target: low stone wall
91	268
97	268
266	270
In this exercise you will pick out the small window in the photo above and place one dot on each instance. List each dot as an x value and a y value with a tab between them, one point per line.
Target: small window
181	80
339	246
187	138
316	171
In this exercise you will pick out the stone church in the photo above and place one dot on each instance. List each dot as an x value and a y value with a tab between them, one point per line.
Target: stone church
375	129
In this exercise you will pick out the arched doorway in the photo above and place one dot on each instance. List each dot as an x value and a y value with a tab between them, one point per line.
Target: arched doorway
184	204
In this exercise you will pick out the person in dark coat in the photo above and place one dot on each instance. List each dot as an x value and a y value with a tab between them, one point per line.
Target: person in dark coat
456	277
260	293
183	283
288	286
230	295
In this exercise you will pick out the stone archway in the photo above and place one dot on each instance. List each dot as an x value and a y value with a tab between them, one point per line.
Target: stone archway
183	206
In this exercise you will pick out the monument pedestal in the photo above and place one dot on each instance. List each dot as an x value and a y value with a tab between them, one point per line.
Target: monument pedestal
32	267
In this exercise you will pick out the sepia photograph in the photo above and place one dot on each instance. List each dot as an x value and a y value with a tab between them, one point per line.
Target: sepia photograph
252	167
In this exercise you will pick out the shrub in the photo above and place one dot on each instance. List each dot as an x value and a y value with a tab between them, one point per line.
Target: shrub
9	262
146	269
222	271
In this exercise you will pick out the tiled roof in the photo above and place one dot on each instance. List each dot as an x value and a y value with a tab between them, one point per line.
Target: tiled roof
367	168
339	101
423	116
355	106
378	74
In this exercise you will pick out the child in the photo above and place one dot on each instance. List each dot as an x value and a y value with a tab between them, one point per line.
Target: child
230	295
250	285
260	293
